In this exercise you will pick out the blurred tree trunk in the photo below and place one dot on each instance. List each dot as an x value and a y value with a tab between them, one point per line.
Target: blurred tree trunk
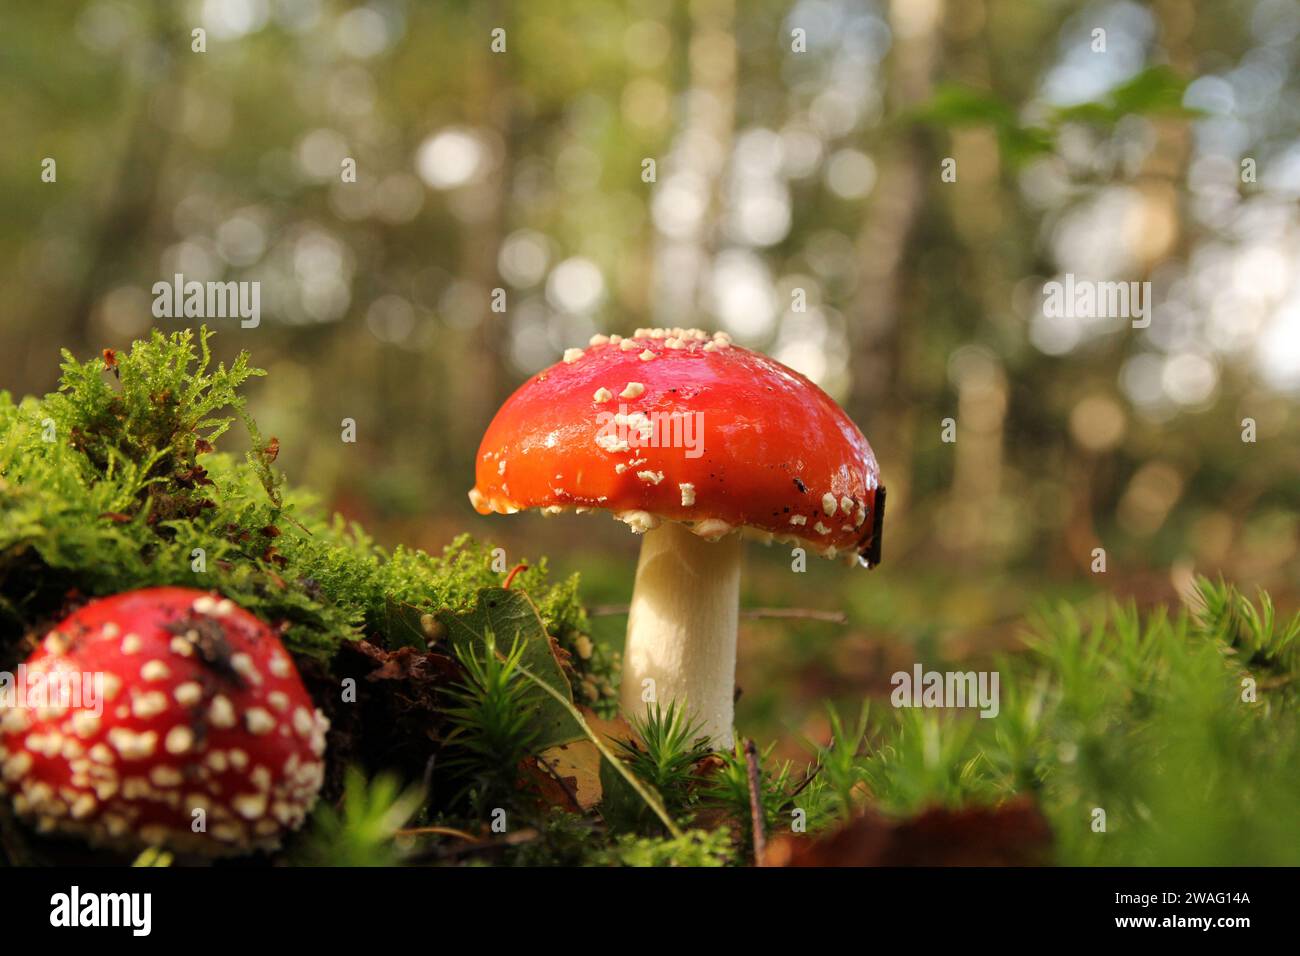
477	370
880	342
132	195
702	147
981	202
1160	234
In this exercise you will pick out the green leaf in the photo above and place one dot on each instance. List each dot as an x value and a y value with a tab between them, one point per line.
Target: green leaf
1093	111
1022	143
401	625
510	615
961	106
954	106
1157	91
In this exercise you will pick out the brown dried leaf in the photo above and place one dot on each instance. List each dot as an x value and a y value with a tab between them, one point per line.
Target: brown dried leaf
555	783
577	764
612	730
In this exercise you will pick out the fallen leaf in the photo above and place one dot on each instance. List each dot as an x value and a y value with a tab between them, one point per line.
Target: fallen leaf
610	731
577	763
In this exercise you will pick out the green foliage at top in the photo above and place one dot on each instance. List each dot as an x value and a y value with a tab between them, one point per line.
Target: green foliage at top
114	483
1156	91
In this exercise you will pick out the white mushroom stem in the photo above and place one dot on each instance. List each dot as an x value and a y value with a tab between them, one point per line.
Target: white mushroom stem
681	628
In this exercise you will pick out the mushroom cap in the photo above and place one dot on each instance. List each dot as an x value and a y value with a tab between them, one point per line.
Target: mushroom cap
675	424
200	708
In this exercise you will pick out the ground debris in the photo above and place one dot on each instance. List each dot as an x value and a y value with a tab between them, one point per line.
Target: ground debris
1013	834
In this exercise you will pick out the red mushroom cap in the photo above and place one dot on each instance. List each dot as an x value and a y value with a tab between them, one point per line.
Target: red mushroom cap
676	424
181	702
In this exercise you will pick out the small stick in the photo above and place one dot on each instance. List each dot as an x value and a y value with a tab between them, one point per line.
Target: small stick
518	837
441	831
808	778
755	803
788	613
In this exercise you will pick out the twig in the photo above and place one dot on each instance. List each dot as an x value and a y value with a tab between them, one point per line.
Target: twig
441	831
514	838
1280	681
787	613
755	803
510	578
808	778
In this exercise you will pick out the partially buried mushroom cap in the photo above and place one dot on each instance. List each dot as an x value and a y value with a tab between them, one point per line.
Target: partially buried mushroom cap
199	735
677	424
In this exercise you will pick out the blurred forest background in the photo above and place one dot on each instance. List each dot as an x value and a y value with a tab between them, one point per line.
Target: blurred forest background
776	169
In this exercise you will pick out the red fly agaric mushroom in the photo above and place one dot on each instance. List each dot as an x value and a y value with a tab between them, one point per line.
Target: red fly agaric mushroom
164	717
690	441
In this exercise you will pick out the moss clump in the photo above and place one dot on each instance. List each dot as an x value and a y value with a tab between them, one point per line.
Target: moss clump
695	848
114	482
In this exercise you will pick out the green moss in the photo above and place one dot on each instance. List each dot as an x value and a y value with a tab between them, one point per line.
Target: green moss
1182	729
704	848
114	482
